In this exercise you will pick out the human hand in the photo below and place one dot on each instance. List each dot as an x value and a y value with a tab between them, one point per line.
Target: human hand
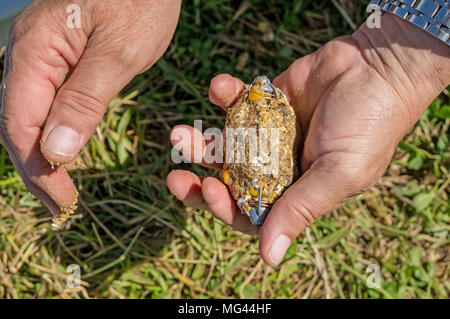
355	99
59	81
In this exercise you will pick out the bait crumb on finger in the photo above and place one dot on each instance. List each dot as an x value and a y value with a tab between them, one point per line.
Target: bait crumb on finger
54	165
55	160
65	213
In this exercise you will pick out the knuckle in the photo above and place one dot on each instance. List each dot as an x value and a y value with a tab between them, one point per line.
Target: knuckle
361	175
31	19
339	52
18	28
83	102
351	171
128	57
355	177
15	135
333	49
305	214
124	57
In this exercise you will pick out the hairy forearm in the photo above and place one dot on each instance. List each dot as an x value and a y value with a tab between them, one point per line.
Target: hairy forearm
416	64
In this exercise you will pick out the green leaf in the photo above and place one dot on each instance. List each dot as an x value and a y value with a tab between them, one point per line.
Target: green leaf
443	112
199	271
100	147
292	251
415	256
124	121
288	270
436	169
410	189
332	239
122	152
248	292
285	52
218	232
443	142
415	162
423	200
391	287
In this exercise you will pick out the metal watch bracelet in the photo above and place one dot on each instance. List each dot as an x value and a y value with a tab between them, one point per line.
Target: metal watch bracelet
432	16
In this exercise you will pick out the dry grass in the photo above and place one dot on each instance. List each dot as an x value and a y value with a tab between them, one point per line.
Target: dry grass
132	239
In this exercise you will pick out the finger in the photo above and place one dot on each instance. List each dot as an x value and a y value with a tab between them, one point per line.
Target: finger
209	194
222	205
224	90
187	187
81	102
38	182
328	181
192	145
28	89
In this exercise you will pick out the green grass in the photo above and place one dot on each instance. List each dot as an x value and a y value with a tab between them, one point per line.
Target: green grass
133	239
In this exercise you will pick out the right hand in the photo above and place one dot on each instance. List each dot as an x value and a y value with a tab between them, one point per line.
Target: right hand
59	81
354	101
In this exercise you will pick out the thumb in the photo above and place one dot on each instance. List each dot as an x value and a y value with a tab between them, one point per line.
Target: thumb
329	180
81	103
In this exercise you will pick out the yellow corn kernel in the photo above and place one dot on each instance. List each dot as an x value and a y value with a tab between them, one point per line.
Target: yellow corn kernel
254	192
255	94
226	177
262	26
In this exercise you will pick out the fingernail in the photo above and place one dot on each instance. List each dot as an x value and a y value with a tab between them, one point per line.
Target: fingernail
278	249
63	141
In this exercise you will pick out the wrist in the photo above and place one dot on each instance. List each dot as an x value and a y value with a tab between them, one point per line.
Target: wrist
410	59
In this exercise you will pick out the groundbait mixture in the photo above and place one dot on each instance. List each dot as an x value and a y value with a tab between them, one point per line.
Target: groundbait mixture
260	167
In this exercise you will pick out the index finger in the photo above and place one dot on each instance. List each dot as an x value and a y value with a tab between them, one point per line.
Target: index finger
224	90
